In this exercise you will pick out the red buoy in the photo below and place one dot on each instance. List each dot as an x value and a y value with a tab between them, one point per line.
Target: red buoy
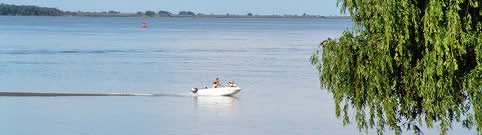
144	24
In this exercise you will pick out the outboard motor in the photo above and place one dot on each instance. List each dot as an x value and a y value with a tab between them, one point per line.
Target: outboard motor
194	90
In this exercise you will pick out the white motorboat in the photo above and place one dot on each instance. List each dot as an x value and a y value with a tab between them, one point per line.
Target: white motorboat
222	91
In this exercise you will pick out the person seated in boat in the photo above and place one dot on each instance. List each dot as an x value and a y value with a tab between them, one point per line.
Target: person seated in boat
233	84
229	84
216	83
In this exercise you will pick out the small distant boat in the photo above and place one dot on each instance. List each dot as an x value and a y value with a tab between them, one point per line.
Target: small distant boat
222	91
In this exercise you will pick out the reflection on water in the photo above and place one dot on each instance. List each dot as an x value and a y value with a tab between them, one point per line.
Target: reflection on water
68	56
215	103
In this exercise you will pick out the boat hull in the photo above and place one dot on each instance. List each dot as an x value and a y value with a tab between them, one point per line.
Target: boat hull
224	91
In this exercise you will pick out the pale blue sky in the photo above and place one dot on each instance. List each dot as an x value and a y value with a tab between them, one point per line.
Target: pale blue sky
265	7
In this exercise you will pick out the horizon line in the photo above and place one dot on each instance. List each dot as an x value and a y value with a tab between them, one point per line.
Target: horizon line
173	12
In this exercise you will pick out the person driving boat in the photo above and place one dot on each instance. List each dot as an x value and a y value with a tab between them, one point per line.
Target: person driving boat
216	83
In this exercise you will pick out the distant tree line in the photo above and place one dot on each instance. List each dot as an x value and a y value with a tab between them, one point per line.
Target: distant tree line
114	12
25	10
13	10
181	13
166	13
150	13
186	13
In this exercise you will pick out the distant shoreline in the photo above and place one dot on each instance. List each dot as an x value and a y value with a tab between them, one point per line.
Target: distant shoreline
219	16
23	10
84	14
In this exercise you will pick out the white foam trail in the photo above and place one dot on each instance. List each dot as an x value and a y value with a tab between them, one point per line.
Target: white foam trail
129	94
30	94
83	94
174	94
142	94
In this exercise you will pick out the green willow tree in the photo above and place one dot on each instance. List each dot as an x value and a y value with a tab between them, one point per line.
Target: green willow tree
406	64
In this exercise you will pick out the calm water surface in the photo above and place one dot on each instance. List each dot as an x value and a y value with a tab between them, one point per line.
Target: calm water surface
268	58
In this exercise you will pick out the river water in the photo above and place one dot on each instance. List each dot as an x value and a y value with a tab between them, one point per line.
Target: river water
268	58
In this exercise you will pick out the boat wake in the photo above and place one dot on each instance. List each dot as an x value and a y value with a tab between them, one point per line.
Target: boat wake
31	94
174	94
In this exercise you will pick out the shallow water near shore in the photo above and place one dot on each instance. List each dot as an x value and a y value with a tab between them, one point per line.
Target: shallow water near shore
268	58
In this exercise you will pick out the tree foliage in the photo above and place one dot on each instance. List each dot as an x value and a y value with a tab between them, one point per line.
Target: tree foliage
187	13
405	63
14	10
162	12
113	12
150	13
139	13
